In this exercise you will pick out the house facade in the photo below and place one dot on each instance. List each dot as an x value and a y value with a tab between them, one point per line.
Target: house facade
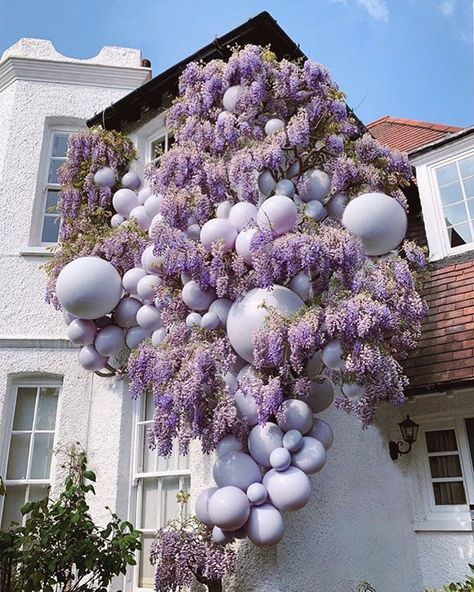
401	525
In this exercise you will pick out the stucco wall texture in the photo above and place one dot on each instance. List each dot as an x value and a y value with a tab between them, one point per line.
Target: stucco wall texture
359	523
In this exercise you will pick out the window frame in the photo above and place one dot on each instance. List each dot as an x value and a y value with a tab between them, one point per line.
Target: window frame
162	133
28	382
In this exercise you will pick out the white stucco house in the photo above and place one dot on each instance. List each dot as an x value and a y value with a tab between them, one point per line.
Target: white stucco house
401	525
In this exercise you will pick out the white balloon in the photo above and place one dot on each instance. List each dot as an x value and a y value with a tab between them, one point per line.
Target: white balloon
105	177
148	317
287	490
295	415
257	494
266	183
125	314
332	355
90	359
378	219
229	508
243	242
247	370
124	200
262	441
247	408
153	205
335	206
236	468
321	395
146	288
353	391
210	321
301	285
202	505
151	262
314	185
229	443
278	213
195	297
223	209
231	96
116	220
285	187
109	341
315	210
135	335
140	216
221	307
193	319
322	431
218	230
242	214
274	125
131	278
280	459
249	314
131	180
158	336
265	526
143	195
82	332
89	287
314	365
311	457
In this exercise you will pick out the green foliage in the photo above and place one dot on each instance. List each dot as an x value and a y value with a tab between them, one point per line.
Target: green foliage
364	587
467	586
60	548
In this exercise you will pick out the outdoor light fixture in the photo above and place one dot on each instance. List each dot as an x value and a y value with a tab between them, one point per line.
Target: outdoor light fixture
409	431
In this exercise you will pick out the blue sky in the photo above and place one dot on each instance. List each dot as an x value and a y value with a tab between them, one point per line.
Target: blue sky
404	58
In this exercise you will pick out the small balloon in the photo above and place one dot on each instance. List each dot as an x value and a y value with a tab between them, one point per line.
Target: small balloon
280	459
243	242
332	355
335	206
140	216
285	187
257	494
322	431
210	321
266	183
90	359
247	408
135	335
124	200
218	230
321	395
158	336
314	185
301	285
146	288
236	468
229	508
293	170
150	262
221	307
82	332
193	232
231	382
287	490
231	97
277	213
295	415
223	209
193	319
242	215
143	195
109	341
131	278
125	314
229	443
314	365
220	537
315	210
265	526
116	220
105	177
131	180
153	205
311	457
293	440
148	317
202	505
195	297
274	125
262	441
353	391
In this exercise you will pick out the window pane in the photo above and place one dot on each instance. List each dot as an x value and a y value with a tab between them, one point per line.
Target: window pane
59	144
25	408
460	235
149	406
447	174
18	456
46	414
54	165
441	441
12	504
183	462
146	571
148	456
149	517
466	166
37	492
469	187
445	466
451	193
448	494
50	229
42	453
51	201
169	504
455	214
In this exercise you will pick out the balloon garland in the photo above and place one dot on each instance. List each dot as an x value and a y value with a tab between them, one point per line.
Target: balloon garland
260	274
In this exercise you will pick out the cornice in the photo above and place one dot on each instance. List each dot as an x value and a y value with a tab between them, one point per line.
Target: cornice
74	73
27	342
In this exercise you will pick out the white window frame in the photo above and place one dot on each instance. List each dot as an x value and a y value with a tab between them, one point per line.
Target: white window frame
29	382
163	133
435	226
137	480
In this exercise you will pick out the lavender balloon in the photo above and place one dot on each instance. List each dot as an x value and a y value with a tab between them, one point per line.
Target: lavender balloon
90	359
322	431
193	319
218	230
125	315
243	242
221	307
311	457
153	205
353	391
266	183
116	220
236	468
278	213
287	490
315	210
257	494
295	415
148	317
146	288
280	459
301	285
262	441
332	355
210	321
150	262
109	341
229	508
202	505
158	336
314	365
124	200
82	332
321	395
293	440
265	526
131	180
131	278
221	537
285	187
135	335
335	206
314	185
242	215
195	297
143	195
105	177
231	97
229	443
247	408
223	209
141	218
274	125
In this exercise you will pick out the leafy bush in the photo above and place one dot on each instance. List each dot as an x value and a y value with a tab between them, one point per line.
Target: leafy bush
467	586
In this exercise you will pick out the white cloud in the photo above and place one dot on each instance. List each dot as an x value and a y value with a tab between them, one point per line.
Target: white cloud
447	7
377	9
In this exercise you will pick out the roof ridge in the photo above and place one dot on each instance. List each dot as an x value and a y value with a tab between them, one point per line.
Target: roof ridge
441	127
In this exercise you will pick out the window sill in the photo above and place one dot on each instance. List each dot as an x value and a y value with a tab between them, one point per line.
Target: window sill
456	524
36	252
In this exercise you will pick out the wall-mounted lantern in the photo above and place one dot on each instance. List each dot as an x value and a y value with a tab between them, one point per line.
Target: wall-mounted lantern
409	430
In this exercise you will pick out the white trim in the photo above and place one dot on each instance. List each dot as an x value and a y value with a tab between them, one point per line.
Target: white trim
41	251
27	342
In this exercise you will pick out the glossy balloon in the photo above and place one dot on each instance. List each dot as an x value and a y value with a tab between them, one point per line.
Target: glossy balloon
153	205
229	508
322	431
285	187
193	319
295	415
82	332
143	195
89	287
287	490
278	213
280	459
131	278
247	408
116	220
195	297
321	395
231	96
266	183
257	494
109	341
265	526
243	242
223	209
131	180
158	336
315	210
210	321
236	468
202	505
274	125
146	288
293	440
125	314
135	335
220	537
229	443
218	230
311	457
148	317
221	307
141	218
90	359
242	215
262	441
314	185
124	200
105	177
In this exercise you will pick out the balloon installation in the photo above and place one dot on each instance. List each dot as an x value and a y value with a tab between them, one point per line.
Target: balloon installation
256	276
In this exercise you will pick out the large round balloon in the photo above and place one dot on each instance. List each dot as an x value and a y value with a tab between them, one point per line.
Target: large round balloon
202	505
263	440
82	332
110	340
378	219
321	395
311	457
287	490
248	315
314	185
265	525
322	431
218	230
278	213
236	468
229	508
229	443
89	287
295	415
247	408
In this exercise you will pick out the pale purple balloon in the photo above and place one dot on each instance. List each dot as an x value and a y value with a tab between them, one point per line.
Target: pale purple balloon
243	242
278	213
321	395
315	210
223	116
116	220
221	307
124	200
151	262
202	505
148	317
105	177
135	335
274	125
210	321
293	440
146	288
236	468
311	457
109	341
195	297
131	278
285	187
223	209
247	408
266	183
336	205
265	526
193	232
218	230
257	494
82	332
125	314
280	459
143	195
131	180
231	96
141	218
322	431
193	319
288	490
332	355
221	537
353	391
262	441
158	336
301	285
153	205
103	322
90	359
314	365
155	224
314	185
242	214
295	414
89	287
68	317
185	278
231	383
229	443
229	508
293	170
246	371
